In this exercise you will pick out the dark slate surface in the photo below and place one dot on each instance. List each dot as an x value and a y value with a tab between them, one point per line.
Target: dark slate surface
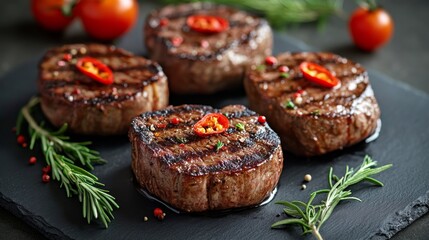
403	141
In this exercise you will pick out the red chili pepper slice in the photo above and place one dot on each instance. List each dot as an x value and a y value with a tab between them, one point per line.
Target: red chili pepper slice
213	123
318	74
207	24
95	69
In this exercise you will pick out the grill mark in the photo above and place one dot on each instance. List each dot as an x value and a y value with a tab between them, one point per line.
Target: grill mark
250	155
260	142
210	56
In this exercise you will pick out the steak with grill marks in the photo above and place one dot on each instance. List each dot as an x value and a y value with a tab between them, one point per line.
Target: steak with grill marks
186	171
89	107
323	119
205	63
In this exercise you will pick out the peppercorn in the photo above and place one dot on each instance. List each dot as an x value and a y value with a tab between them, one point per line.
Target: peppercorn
303	186
46	178
158	213
20	139
262	119
46	169
175	121
283	69
307	177
32	160
270	60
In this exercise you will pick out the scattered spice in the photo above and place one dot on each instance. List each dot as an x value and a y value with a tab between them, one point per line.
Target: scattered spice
32	160
240	126
163	22
181	139
67	57
175	121
315	112
283	69
271	60
290	105
20	139
262	119
204	44
219	145
303	187
176	41
284	75
260	68
307	177
161	125
158	213
46	178
46	169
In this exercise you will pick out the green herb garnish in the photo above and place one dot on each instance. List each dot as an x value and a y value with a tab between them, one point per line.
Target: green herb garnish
239	126
290	105
219	145
181	139
261	67
63	155
284	75
282	12
315	113
311	217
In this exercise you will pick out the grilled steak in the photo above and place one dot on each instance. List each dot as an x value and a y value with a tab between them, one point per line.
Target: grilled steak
89	107
323	119
204	63
190	173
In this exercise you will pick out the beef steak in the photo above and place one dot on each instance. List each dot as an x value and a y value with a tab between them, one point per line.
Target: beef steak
204	63
310	119
187	171
89	107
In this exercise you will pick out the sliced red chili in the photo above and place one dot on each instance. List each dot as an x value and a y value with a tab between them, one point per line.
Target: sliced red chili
213	123
95	69
318	74
207	24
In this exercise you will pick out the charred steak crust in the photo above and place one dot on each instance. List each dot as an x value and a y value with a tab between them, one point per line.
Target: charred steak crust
323	120
186	171
192	67
89	107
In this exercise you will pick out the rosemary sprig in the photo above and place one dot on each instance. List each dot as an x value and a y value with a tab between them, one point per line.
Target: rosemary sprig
281	12
62	155
311	217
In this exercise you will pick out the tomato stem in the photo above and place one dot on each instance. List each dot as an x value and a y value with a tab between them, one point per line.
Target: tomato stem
371	4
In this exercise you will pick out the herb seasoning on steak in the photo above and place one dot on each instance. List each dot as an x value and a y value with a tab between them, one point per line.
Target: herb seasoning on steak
90	107
312	119
237	168
196	61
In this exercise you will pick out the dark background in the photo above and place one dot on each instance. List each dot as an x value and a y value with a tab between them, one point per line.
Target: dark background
405	58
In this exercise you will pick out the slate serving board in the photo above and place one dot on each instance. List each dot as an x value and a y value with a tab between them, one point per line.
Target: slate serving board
403	141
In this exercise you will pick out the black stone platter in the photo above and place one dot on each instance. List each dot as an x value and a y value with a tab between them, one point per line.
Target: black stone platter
403	141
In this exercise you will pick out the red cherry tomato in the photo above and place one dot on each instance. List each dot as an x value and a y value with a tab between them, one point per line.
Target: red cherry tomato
49	15
370	29
207	24
107	19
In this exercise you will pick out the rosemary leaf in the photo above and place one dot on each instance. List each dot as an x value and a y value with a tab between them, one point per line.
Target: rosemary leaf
63	155
284	12
311	217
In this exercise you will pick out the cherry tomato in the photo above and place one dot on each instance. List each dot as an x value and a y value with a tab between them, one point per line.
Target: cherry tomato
107	19
49	15
370	29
